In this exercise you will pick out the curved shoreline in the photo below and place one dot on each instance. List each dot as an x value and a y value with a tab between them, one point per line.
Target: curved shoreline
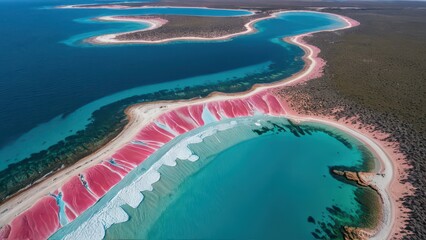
109	39
112	203
118	6
142	114
152	22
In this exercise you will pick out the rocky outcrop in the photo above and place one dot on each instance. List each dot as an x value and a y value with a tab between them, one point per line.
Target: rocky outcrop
351	233
364	179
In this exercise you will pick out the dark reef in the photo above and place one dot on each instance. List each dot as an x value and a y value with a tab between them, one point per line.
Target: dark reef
109	121
366	217
376	73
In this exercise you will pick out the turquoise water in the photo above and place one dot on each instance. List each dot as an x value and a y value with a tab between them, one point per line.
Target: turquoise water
248	183
77	40
51	84
245	185
264	188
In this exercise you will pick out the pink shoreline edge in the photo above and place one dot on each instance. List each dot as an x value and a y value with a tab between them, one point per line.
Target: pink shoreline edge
123	7
312	70
158	22
108	39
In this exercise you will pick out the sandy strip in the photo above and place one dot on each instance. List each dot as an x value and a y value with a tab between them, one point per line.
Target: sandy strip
142	114
108	39
383	180
91	6
393	169
111	38
119	6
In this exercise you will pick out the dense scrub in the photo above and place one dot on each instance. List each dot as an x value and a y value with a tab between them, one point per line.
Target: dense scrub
376	73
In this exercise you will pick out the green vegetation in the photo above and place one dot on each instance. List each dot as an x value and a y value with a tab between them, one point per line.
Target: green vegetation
381	63
192	26
107	123
376	74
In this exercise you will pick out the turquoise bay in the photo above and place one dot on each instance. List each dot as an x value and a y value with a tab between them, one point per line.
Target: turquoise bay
250	183
69	82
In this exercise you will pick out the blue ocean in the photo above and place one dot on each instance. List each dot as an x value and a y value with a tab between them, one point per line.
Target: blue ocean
52	82
271	185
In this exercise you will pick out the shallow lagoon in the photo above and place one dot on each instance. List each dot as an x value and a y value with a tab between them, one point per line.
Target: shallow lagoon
67	83
247	185
256	186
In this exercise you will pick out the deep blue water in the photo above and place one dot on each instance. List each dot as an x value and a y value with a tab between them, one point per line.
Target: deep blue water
44	79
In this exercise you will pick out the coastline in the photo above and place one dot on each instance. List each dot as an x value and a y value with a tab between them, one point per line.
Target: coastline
108	39
142	114
124	7
112	203
393	166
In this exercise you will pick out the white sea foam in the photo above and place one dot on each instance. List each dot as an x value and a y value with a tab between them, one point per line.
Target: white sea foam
112	213
94	228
